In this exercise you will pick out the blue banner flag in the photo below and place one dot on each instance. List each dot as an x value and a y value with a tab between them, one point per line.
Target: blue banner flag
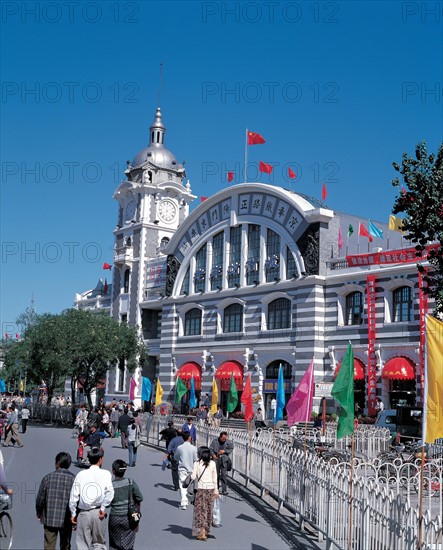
146	389
280	396
2	386
192	398
375	231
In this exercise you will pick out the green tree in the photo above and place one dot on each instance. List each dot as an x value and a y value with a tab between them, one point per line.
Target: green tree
41	355
421	199
76	344
97	342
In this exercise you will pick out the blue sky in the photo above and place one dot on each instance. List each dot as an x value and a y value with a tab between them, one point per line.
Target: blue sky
338	89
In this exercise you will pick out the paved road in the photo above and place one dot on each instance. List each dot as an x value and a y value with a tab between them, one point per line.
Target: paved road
163	524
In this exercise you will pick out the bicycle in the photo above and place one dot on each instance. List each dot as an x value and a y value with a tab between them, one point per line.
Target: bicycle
6	525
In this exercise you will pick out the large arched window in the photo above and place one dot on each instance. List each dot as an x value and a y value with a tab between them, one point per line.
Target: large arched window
193	322
354	308
279	314
233	318
273	368
402	304
126	281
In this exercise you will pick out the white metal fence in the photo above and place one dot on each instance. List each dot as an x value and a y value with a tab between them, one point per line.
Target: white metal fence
384	513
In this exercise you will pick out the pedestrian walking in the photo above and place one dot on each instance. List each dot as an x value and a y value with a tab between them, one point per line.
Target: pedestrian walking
133	442
52	504
205	475
114	416
172	447
123	425
12	427
105	423
25	412
185	455
221	450
121	536
168	433
188	426
218	415
87	506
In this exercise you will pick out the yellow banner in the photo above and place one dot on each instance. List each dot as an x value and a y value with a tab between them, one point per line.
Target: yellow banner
396	223
214	401
158	393
433	406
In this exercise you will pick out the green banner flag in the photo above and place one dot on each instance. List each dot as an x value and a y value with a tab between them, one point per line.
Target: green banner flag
343	392
350	230
180	390
232	396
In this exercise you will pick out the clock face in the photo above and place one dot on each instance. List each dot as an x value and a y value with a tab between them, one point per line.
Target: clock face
131	208
167	210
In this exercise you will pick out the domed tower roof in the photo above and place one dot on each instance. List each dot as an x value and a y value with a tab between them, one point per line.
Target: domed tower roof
156	152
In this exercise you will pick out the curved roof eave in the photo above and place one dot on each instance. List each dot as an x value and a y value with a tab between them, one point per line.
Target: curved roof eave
311	213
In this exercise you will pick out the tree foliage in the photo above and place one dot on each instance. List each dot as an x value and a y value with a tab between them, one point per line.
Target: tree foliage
76	344
421	199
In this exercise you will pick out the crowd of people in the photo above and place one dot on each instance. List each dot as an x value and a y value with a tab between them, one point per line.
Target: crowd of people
207	468
63	503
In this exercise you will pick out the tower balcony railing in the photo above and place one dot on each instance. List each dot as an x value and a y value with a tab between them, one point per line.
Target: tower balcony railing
123	254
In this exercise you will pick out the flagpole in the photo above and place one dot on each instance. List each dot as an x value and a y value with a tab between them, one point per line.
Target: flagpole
351	475
246	157
420	510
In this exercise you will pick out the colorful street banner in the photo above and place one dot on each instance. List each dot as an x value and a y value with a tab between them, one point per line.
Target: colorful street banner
404	255
299	406
343	393
433	405
214	400
372	359
281	401
146	389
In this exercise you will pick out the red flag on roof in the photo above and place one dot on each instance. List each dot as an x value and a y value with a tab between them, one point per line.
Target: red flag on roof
266	168
324	192
291	173
202	199
255	139
107	266
364	232
230	176
246	399
6	336
17	336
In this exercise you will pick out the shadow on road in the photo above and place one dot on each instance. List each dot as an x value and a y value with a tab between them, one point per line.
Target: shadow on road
164	486
174	503
244	517
179	530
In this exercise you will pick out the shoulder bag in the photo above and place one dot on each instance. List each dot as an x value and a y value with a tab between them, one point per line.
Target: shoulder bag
192	488
134	514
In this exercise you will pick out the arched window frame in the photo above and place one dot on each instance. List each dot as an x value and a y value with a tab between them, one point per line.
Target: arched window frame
388	296
237	316
126	281
353	309
193	325
342	294
266	300
182	317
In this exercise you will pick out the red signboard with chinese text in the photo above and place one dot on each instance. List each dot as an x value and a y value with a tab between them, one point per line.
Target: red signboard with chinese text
372	360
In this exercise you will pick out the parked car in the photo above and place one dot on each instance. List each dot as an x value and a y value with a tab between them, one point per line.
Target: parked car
404	420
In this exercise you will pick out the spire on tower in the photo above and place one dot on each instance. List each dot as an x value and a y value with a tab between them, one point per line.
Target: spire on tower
157	134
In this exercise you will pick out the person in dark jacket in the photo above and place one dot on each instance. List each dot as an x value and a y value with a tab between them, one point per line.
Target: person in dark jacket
52	501
221	450
123	425
168	433
121	536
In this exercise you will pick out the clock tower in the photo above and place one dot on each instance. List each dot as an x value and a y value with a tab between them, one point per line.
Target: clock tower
153	201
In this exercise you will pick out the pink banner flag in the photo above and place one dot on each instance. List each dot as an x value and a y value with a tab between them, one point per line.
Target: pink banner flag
299	406
132	386
340	239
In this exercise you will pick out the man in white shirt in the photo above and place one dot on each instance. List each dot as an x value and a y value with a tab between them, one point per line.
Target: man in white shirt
91	493
185	455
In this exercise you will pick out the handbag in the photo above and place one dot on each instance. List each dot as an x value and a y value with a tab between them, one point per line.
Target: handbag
192	487
134	514
187	481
